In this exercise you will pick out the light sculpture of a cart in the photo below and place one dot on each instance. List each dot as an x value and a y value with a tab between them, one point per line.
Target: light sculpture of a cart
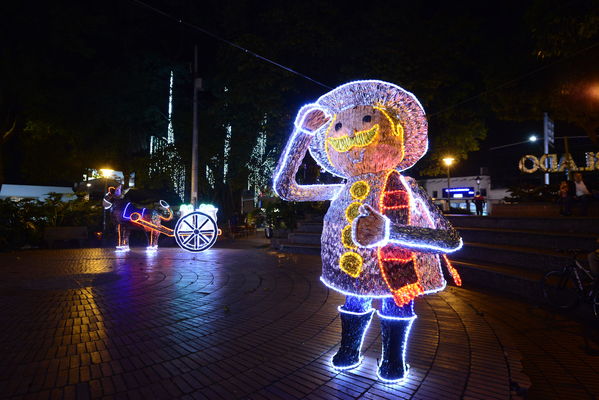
195	231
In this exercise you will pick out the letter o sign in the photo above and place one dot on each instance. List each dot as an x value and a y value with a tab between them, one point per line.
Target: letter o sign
525	168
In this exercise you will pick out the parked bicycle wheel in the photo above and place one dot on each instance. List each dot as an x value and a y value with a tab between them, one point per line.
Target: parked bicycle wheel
559	289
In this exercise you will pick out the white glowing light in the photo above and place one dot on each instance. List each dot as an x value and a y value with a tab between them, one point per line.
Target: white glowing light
170	137
348	367
106	172
404	349
342	310
410	244
261	163
185	209
395	318
208	209
399	381
226	151
210	177
448	161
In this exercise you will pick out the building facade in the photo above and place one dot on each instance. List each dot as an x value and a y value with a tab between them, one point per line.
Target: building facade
461	190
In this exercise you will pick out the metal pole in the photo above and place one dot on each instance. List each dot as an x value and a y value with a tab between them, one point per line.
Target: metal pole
567	156
194	145
448	187
104	209
546	144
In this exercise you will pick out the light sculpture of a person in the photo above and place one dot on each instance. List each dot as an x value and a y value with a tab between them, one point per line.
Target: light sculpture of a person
382	235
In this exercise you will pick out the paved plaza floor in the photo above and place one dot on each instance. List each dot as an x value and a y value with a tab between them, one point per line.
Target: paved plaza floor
243	321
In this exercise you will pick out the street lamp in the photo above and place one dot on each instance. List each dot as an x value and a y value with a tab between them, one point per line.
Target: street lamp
448	161
106	172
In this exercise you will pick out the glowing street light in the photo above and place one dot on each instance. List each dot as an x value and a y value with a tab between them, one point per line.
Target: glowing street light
593	91
106	172
448	161
532	138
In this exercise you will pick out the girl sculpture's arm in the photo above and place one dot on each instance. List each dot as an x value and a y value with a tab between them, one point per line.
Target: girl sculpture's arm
308	120
374	229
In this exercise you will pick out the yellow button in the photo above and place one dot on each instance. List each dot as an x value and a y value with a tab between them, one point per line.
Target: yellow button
351	263
359	190
352	211
346	238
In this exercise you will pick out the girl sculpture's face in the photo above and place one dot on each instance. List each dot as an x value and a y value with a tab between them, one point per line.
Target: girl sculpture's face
364	139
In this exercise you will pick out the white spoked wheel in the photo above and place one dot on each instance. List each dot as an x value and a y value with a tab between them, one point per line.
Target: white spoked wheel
196	231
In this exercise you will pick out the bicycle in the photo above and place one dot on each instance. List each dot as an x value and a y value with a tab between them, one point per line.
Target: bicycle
566	287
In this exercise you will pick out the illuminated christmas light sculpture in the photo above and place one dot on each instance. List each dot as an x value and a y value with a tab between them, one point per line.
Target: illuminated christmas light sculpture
196	230
382	237
126	215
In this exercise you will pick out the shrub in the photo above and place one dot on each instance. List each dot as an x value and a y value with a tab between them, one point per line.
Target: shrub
24	220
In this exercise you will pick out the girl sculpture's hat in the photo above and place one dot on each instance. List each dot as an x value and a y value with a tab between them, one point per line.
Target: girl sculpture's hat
399	103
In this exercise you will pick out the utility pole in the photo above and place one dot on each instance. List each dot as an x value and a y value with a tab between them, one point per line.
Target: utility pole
197	86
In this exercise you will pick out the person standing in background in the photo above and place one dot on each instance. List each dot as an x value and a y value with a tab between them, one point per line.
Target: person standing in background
479	202
580	193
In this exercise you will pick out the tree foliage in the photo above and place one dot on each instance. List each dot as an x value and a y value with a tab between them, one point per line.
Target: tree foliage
88	84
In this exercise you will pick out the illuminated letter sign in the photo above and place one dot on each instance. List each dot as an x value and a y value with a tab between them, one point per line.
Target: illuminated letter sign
549	163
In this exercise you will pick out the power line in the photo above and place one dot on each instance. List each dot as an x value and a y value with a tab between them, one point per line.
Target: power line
221	39
247	51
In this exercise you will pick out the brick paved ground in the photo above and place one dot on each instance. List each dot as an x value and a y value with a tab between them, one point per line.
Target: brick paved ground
250	323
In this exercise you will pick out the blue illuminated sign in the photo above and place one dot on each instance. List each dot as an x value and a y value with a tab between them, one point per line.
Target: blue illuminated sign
459	192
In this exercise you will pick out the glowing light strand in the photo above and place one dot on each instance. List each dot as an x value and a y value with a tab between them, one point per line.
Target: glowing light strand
360	139
284	185
457	279
404	349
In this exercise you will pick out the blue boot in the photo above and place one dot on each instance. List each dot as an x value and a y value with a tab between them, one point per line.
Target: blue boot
394	333
353	329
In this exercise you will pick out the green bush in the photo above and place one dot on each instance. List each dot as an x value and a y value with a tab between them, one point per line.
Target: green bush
24	221
527	193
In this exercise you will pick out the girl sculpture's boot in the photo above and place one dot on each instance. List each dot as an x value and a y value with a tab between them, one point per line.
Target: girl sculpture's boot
353	329
394	333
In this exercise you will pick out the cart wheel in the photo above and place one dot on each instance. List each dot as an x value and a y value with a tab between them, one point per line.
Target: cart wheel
196	231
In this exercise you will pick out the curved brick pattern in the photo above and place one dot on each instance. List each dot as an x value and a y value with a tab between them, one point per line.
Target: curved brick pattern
249	323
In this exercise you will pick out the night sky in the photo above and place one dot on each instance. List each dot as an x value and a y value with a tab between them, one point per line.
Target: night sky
85	85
